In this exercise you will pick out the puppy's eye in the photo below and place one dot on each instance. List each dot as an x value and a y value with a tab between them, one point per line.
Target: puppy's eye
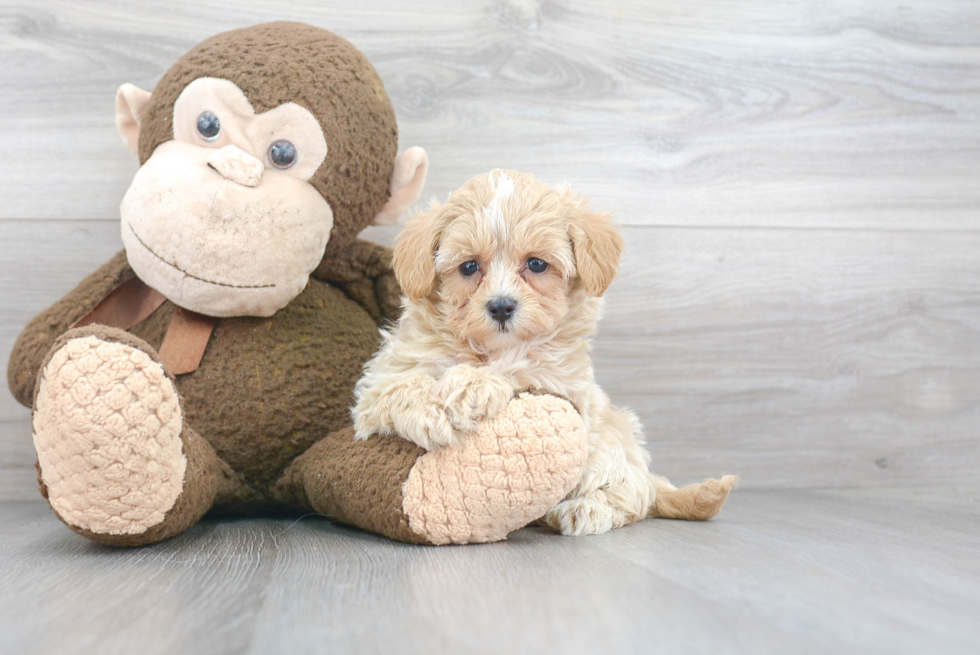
467	269
536	265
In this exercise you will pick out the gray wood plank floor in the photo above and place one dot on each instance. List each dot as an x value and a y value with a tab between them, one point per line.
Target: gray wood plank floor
777	572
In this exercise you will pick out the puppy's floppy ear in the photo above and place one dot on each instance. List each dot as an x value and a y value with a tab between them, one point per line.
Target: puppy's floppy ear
414	261
596	243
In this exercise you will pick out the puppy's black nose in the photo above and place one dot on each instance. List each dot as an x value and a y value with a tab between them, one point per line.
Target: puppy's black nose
501	309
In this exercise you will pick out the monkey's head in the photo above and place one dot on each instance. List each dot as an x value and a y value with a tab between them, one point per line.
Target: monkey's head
263	150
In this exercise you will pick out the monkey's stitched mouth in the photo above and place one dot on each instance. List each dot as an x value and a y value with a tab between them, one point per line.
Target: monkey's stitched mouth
191	275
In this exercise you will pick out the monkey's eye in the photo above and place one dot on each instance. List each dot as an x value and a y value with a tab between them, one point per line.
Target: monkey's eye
282	154
208	125
467	269
536	265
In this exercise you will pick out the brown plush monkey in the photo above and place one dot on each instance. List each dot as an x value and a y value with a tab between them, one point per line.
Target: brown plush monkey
264	152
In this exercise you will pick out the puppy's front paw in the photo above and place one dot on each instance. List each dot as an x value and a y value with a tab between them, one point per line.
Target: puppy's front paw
430	428
581	516
470	394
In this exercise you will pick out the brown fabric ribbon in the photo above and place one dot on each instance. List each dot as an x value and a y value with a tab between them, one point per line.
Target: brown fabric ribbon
130	303
133	301
187	337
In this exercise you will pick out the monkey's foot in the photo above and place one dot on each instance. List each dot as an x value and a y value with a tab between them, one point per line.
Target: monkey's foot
107	430
503	475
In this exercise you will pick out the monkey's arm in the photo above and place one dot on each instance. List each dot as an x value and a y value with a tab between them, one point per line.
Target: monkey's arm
37	338
364	273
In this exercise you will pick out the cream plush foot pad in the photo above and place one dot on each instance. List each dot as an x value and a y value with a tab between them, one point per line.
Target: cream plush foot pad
505	474
107	428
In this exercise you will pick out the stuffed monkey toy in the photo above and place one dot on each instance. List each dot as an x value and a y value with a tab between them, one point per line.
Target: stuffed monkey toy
209	366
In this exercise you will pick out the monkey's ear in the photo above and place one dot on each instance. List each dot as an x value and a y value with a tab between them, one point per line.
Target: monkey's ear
407	181
131	101
596	243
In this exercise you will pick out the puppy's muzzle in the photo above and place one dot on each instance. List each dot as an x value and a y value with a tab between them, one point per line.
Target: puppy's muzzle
502	309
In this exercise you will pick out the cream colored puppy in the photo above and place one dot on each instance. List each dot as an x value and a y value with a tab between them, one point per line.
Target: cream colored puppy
504	284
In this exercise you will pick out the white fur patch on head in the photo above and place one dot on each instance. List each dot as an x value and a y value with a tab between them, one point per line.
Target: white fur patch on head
502	186
500	275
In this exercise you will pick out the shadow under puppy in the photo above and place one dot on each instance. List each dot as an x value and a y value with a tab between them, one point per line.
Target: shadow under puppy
504	285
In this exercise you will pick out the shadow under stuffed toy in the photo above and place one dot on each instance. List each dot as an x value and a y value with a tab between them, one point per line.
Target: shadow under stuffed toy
210	365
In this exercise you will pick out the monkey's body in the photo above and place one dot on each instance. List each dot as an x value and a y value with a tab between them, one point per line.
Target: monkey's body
282	399
264	152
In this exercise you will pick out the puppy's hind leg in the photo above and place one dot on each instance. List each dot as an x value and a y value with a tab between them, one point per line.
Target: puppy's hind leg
615	489
694	502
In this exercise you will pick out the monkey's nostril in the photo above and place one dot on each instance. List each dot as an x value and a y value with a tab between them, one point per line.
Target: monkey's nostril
502	309
236	165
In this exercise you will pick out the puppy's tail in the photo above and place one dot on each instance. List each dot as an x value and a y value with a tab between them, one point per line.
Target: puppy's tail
695	502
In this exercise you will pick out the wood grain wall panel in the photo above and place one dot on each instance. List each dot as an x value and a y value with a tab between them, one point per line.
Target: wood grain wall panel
798	358
804	113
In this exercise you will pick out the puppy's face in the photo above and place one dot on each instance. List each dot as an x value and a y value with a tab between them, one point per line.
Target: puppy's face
504	269
500	258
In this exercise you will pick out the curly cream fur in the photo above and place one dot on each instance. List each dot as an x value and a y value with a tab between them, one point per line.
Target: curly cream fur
447	365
